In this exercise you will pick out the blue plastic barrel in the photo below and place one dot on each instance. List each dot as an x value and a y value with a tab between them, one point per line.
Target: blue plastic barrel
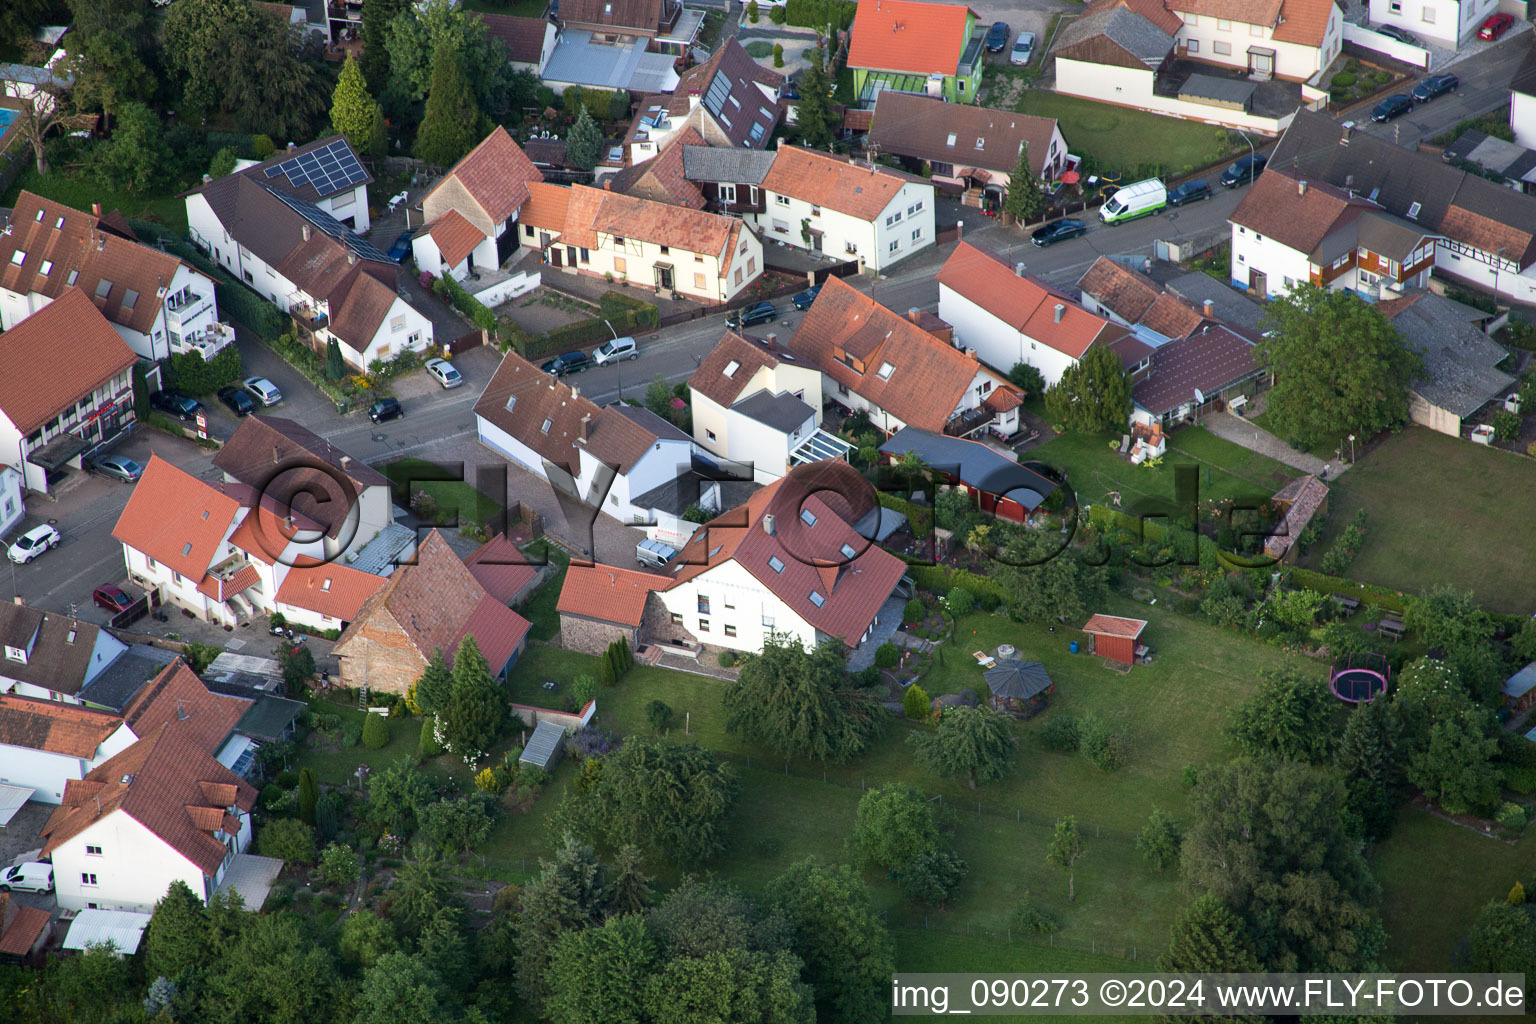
1072	646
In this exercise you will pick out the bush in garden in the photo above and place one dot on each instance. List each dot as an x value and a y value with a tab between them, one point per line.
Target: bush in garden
1027	917
428	744
915	703
752	11
776	15
1060	732
778	53
959	601
915	610
338	865
583	690
375	731
590	742
1512	816
1506	425
658	715
726	659
288	839
887	655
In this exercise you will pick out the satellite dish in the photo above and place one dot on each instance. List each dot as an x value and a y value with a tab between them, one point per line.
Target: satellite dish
1199	396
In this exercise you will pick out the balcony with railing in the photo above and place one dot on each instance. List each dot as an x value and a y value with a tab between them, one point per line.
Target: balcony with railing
346	10
966	423
974	55
209	341
183	311
306	314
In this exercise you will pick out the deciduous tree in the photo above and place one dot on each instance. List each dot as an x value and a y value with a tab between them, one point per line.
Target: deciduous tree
1339	366
1045	582
1093	394
893	824
273	973
400	989
1290	717
396	793
377	15
413	39
669	799
1159	839
800	703
933	876
731	985
848	955
1065	847
1503	939
975	744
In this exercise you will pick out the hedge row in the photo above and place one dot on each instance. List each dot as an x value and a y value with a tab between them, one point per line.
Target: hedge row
919	516
478	313
625	313
820	13
1367	592
941	580
190	374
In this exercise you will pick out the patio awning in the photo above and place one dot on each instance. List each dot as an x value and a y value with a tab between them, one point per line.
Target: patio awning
123	928
12	799
53	455
820	445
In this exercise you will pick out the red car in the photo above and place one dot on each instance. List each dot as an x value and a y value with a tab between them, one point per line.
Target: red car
111	597
1495	26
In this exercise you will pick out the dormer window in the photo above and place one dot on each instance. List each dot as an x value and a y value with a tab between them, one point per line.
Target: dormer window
1413	211
511	401
46	268
886	369
73	276
325	585
103	288
607	8
817	599
58	225
130	299
40	215
186	549
18	258
981	143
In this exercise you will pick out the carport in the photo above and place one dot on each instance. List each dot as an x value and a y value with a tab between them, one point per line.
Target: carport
12	799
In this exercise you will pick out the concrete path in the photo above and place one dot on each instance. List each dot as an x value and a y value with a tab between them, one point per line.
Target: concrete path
1255	438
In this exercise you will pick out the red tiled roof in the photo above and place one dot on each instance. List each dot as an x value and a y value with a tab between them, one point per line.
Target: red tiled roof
710	379
836	495
859	190
22	926
496	174
154	781
928	378
661	179
499	567
524	36
178	695
546	207
909	125
1003	399
244	578
56	357
437	601
1249	12
333	589
905	35
1296	212
1303	21
85	257
175	518
454	236
1153	10
1119	289
607	593
1023	303
67	729
1114	625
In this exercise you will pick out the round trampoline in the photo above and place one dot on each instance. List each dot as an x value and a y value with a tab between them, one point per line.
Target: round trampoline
1359	678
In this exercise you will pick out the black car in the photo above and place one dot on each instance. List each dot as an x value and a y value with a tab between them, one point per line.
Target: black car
176	404
1189	192
567	362
1058	230
1243	171
1392	106
761	313
238	399
998	36
1434	85
1401	35
803	300
386	409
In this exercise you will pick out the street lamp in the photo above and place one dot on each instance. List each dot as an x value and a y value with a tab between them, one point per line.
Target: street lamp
618	374
1351	449
1251	155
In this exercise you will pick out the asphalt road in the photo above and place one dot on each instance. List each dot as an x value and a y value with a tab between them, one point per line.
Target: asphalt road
439	419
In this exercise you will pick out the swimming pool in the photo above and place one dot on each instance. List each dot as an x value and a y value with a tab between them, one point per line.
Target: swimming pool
7	115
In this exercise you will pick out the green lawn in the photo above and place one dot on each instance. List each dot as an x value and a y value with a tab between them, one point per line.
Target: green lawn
1440	510
1434	878
81	193
1227	470
1120	137
517	8
539	609
442	484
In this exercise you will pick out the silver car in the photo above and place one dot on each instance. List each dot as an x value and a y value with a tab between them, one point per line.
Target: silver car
263	390
444	373
118	467
1023	49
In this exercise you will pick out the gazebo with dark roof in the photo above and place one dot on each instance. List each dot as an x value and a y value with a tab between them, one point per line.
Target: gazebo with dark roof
1014	682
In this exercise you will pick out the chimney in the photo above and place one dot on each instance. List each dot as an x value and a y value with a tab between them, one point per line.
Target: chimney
1061	311
277	456
575	391
96	209
1208	309
1301	187
768	523
345	461
291	147
780	143
853	160
351	258
772	339
207	178
586	427
914	314
1018	270
608	184
1345	129
305	230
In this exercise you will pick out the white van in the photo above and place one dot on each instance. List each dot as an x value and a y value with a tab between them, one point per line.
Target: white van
1135	200
653	554
613	351
32	876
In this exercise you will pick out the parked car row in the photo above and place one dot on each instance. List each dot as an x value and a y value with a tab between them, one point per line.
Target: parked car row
613	351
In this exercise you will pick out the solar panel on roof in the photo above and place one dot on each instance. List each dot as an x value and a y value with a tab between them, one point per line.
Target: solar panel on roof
327	170
333	227
273	172
719	89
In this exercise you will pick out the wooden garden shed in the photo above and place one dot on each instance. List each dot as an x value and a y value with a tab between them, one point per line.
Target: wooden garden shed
1115	638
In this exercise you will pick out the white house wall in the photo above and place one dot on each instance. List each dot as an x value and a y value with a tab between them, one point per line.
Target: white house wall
510	448
1445	23
1295	61
910	213
1252	251
12	504
996	343
1522	118
132	872
1132	87
753	602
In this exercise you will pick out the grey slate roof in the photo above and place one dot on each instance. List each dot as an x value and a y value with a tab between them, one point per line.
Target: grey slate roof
1212	87
543	747
731	166
1231	306
268	718
648	421
972	463
1126	29
1458	358
783	411
1210	360
116	684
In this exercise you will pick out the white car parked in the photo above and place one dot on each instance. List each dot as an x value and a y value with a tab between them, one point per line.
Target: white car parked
33	543
31	876
613	351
